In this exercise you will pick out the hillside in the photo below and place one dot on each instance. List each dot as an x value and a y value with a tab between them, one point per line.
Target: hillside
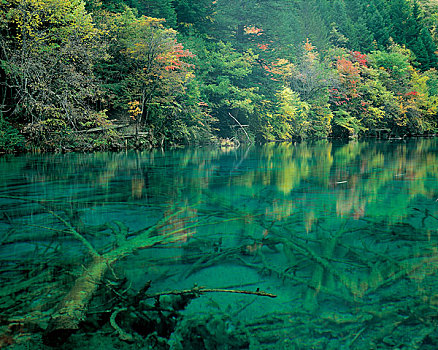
114	74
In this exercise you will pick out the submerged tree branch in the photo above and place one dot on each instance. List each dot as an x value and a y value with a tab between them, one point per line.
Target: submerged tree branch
201	290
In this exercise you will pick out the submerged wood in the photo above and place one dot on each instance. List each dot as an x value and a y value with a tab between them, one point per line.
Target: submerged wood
73	308
201	290
313	264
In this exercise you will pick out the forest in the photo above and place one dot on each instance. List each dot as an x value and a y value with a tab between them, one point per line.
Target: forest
107	75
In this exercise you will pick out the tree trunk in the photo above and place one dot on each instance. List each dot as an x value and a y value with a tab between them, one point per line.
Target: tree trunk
73	308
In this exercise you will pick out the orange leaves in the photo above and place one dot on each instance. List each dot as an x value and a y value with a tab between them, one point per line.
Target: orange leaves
281	68
253	35
347	69
310	52
349	74
159	71
308	46
253	30
171	59
158	53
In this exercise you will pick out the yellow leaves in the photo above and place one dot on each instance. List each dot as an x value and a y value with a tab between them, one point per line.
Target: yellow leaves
282	62
134	109
26	17
46	20
189	76
283	68
149	22
419	81
157	51
292	119
291	105
376	113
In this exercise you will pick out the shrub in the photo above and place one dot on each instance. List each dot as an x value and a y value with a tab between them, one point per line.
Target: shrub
10	138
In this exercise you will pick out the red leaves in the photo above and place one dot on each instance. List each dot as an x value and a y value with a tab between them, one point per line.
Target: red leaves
411	93
349	74
340	98
360	58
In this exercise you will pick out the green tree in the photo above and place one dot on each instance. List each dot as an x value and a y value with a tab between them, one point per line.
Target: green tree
409	29
10	138
276	18
311	78
361	37
48	48
226	88
376	18
339	16
194	13
313	25
157	74
292	119
155	8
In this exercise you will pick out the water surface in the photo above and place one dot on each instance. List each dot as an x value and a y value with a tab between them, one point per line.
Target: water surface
345	235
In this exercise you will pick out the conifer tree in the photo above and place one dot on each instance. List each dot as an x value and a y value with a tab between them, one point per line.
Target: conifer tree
312	24
408	29
155	8
377	23
196	13
422	44
362	38
340	17
399	12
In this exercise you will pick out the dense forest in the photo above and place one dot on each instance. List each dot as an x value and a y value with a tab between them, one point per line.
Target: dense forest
91	75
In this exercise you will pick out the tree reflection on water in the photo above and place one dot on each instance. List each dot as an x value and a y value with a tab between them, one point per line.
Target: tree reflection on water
345	234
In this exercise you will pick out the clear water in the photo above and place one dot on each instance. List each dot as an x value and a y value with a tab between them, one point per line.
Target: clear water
345	235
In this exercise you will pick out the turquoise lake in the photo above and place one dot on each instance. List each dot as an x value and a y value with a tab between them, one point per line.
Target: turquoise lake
344	235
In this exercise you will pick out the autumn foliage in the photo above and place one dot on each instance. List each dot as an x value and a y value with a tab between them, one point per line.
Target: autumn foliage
174	71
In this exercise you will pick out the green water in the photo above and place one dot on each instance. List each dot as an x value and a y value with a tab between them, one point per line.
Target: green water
345	235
